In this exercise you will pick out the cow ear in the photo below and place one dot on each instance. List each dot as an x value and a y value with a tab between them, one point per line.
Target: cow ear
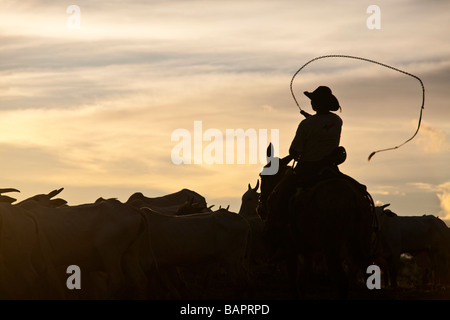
6	199
99	200
55	192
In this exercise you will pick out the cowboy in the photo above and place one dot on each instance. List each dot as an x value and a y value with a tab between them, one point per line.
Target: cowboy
316	142
315	146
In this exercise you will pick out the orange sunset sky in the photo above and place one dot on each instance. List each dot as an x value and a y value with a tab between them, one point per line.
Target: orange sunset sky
93	109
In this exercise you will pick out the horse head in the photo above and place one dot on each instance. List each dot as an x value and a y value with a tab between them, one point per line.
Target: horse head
249	201
270	181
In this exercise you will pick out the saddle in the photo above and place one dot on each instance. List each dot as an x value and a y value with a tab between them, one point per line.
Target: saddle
304	191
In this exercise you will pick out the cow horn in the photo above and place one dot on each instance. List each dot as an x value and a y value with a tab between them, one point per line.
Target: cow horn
249	186
228	207
8	190
385	205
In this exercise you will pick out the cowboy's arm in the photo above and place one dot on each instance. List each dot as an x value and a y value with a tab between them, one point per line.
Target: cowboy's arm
293	153
305	114
297	144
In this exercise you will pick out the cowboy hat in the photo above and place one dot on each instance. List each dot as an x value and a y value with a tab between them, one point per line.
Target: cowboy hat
324	97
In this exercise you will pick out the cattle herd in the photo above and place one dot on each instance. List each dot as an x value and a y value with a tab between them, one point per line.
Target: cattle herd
177	247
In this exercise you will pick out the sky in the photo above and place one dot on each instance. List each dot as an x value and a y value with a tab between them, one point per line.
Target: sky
93	109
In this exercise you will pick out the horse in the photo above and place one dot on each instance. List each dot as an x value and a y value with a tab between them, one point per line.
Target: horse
335	218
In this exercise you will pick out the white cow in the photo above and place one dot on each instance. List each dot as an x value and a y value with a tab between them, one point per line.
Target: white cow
409	234
201	242
104	239
184	201
26	270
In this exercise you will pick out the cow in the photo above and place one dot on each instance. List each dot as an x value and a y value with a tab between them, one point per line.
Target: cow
200	242
409	234
184	201
107	240
26	271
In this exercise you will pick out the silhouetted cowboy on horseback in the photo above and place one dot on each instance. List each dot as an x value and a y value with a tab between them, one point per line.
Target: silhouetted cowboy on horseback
315	146
316	149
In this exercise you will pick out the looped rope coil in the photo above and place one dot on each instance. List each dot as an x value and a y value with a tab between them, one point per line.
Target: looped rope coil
378	63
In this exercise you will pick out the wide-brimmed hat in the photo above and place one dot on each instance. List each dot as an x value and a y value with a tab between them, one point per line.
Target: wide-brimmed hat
324	97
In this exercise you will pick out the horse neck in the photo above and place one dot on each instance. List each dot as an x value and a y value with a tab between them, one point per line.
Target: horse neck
248	210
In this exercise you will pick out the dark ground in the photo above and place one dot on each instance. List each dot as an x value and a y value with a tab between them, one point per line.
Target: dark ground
273	284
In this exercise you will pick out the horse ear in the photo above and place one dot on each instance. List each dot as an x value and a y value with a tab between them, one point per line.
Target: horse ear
269	154
257	185
270	150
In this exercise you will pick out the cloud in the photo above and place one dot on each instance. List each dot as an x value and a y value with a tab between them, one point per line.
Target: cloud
443	193
433	140
386	190
125	142
424	186
268	108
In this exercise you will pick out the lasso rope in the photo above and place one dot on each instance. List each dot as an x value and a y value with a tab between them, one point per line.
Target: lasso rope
381	64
